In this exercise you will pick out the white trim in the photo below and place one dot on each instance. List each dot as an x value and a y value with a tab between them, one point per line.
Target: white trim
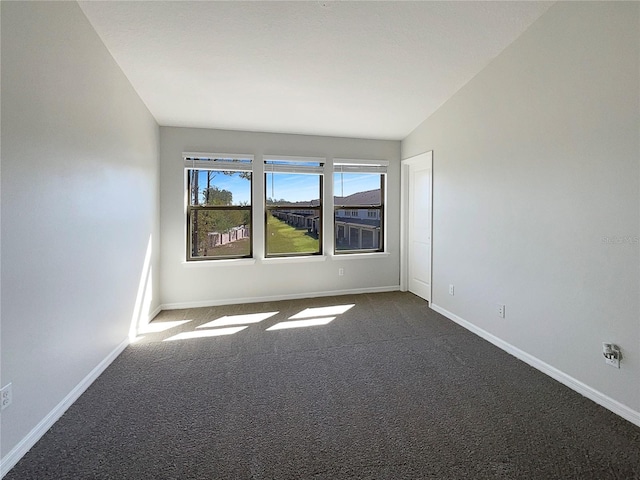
361	256
218	166
11	458
582	388
234	156
293	168
230	262
275	298
360	162
294	259
373	169
154	313
404	201
404	221
190	162
292	158
299	169
351	165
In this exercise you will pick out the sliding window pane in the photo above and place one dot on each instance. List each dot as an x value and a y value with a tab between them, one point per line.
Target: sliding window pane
217	187
220	233
218	214
293	232
294	214
292	189
359	208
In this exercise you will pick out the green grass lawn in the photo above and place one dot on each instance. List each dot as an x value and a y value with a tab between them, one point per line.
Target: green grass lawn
283	238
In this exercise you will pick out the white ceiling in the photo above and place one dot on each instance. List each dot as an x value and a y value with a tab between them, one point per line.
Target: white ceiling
349	69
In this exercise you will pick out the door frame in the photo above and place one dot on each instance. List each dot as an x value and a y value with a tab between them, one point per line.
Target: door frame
404	219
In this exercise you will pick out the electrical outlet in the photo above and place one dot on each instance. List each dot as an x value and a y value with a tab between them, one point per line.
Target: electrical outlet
501	310
5	396
450	289
611	354
340	272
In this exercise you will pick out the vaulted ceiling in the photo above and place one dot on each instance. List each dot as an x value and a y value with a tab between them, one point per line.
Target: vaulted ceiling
338	68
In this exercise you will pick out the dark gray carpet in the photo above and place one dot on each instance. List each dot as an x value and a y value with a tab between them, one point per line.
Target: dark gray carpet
388	390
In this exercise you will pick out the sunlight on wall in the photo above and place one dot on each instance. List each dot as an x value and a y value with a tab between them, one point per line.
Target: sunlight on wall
141	309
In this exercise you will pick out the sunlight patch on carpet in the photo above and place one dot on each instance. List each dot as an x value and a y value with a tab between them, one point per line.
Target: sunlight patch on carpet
238	319
322	311
311	322
157	327
205	333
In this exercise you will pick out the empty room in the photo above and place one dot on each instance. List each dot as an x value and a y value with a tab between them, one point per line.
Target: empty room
319	240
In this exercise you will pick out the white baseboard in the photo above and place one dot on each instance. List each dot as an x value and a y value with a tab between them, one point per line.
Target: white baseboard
11	458
567	380
273	298
154	312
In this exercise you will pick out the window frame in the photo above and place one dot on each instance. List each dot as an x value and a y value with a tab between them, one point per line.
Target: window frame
219	163
292	165
375	167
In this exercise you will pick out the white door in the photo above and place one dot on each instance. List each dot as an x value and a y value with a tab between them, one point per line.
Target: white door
417	224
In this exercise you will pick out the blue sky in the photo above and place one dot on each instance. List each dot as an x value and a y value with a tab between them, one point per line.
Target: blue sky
240	187
291	187
298	187
345	184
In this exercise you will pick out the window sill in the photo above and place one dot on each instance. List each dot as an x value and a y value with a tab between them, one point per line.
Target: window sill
360	256
302	259
231	262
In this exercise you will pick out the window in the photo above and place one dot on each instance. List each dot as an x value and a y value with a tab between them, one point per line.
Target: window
218	207
293	206
359	194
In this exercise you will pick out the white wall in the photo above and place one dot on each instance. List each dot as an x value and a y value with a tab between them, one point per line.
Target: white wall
536	162
79	206
210	283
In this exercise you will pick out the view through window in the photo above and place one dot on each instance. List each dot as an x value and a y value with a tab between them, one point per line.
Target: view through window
218	211
293	203
219	206
359	211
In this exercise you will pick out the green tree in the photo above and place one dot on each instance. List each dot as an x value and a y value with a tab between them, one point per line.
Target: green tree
205	222
219	221
216	196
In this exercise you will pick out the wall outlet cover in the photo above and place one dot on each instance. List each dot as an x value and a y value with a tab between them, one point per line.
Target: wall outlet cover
6	396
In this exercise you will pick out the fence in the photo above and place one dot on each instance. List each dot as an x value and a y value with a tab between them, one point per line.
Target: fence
236	233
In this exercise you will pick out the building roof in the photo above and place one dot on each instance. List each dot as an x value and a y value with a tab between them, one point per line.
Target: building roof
370	197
